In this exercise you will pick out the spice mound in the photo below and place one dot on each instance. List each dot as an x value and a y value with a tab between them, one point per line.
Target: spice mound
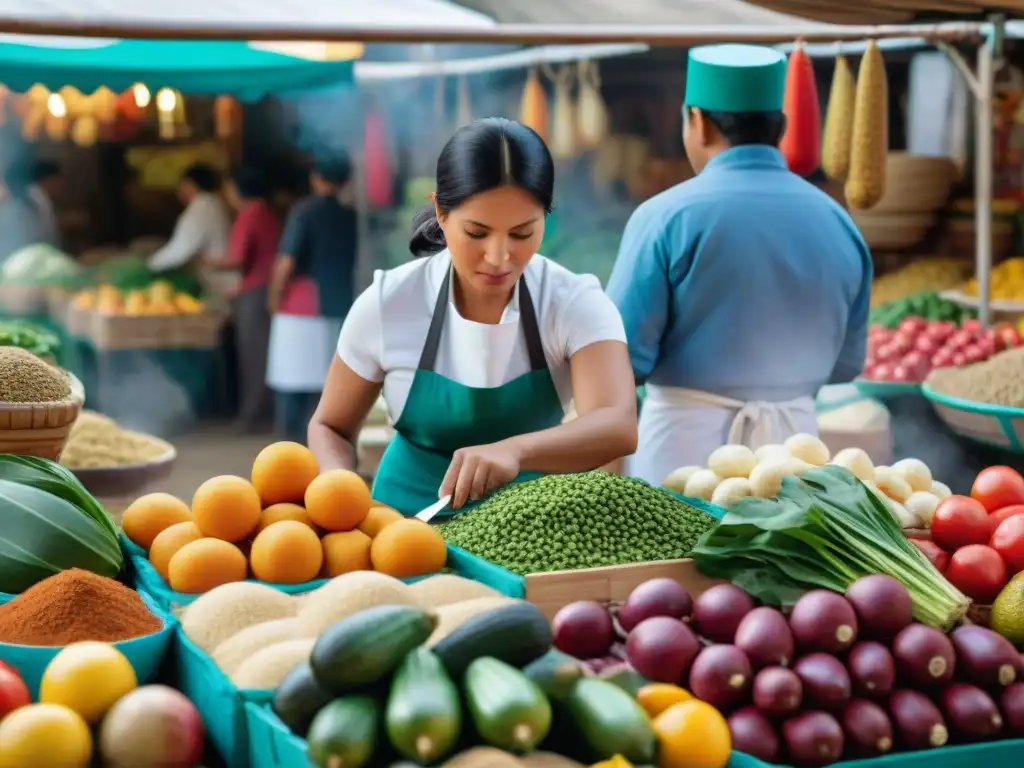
997	381
24	378
97	441
73	606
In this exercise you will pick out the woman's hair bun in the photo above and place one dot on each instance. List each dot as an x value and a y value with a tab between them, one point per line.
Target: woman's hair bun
427	235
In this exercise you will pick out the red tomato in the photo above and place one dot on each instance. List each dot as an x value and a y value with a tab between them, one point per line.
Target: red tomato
1008	541
960	521
998	487
1005	514
961	339
926	344
971	325
935	554
977	571
913	325
13	691
882	372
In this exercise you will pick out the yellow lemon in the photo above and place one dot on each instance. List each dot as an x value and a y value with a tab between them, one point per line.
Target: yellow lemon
88	678
655	698
44	735
692	734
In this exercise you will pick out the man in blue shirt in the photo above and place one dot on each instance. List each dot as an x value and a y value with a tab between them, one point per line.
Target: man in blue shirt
744	289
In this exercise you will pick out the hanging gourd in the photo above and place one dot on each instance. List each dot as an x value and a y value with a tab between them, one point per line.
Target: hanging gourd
227	117
75	101
57	122
104	105
85	131
563	123
463	107
591	112
534	109
801	143
377	161
166	107
33	122
838	138
865	182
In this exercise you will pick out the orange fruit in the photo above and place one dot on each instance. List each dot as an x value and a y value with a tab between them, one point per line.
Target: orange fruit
282	471
345	552
655	698
226	507
408	548
169	541
338	500
149	515
692	734
284	511
377	518
286	552
205	564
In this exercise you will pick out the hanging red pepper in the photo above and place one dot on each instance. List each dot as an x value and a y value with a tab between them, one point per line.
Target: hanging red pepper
801	144
377	160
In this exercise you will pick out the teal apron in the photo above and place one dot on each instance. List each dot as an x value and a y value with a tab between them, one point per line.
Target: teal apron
441	416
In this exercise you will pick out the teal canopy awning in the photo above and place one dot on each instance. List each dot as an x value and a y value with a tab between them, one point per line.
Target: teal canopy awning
193	67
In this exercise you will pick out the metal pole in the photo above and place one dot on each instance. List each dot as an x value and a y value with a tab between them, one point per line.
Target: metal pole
983	161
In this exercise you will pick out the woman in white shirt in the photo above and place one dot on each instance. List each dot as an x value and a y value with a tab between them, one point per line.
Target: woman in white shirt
481	346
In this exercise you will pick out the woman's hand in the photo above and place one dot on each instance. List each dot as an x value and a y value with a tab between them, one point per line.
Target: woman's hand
478	470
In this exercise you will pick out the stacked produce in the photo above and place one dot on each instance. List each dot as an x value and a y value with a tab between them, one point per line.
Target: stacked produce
925	273
1006	281
30	337
91	685
843	676
98	441
288	524
39	265
996	381
735	472
50	524
160	298
568	522
927	305
919	346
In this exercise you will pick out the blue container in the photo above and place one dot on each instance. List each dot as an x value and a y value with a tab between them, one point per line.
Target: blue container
271	744
145	653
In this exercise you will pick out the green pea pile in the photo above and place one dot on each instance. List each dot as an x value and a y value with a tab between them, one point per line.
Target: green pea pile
568	522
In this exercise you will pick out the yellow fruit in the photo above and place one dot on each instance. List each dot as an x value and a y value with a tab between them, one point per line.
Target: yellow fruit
88	678
150	515
226	507
287	552
338	500
169	541
408	548
205	564
44	736
377	518
278	512
692	734
346	552
655	698
282	472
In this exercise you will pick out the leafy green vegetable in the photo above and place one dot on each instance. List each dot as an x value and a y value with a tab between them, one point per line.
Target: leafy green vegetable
29	336
825	529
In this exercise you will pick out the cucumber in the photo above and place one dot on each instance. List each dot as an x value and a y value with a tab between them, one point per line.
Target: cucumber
625	677
611	722
298	698
344	733
509	711
555	673
424	714
365	647
516	633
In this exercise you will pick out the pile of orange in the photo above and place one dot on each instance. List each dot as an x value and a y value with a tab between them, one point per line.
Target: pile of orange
288	524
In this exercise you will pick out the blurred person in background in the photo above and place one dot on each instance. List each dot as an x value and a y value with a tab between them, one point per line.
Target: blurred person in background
202	231
715	274
252	249
25	218
46	187
310	293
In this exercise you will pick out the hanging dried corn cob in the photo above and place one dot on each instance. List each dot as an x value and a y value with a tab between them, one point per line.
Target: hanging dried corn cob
591	112
865	183
801	143
835	150
534	109
563	123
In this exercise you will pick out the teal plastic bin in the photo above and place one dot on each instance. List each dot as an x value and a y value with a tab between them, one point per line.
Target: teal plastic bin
271	743
145	653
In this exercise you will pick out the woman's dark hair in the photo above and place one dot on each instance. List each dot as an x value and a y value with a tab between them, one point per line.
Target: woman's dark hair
336	170
250	182
484	155
204	176
744	128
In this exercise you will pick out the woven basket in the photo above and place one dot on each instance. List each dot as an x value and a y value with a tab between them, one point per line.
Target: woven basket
916	183
959	236
892	231
131	331
40	429
18	299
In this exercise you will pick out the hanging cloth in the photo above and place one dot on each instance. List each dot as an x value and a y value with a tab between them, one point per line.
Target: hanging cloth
563	123
377	161
591	111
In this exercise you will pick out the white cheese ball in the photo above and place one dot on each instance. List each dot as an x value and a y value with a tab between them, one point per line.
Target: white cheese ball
732	461
857	462
773	450
678	478
915	472
766	478
892	484
702	484
731	489
808	448
921	505
941	490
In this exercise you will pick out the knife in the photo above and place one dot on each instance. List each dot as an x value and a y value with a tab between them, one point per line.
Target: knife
428	514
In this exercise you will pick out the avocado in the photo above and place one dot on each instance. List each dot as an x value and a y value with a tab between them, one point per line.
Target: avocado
1008	611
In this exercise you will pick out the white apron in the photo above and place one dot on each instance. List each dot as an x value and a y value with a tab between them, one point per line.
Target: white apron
681	427
300	352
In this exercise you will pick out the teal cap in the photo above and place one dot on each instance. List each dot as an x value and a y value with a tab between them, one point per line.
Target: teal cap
735	78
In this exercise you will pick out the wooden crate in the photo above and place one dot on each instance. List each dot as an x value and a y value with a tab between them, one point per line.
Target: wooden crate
23	299
199	331
610	585
131	331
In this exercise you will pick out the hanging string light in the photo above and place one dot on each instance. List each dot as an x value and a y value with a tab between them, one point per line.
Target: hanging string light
166	103
142	95
57	117
56	105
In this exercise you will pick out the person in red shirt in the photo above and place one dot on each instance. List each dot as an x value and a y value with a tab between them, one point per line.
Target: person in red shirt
252	249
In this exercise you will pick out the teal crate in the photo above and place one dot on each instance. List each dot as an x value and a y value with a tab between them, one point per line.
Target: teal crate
271	743
145	653
963	756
